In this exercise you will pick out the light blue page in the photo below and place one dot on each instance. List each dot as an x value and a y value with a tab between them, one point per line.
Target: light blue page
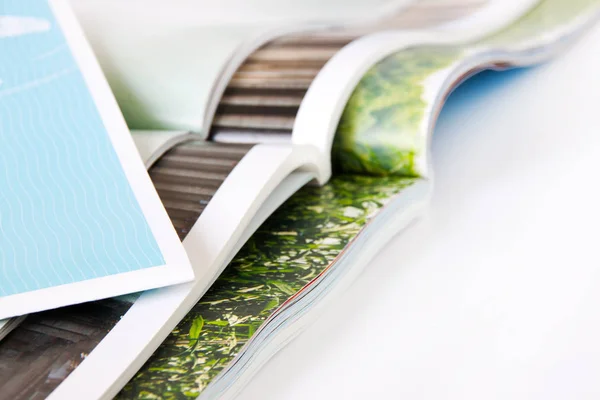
67	212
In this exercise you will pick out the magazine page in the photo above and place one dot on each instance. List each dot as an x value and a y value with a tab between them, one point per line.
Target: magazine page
160	86
425	75
82	220
53	342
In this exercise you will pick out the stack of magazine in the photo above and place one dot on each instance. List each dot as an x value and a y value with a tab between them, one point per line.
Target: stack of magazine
184	189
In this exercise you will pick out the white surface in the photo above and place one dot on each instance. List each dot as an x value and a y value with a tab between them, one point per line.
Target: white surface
496	295
210	12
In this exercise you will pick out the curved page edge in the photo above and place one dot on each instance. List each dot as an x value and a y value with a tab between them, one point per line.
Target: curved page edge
245	49
154	144
324	102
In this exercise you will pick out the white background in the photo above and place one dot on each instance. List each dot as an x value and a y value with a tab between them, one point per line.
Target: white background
497	293
245	12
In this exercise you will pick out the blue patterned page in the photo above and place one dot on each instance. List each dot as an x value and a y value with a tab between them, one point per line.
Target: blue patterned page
67	210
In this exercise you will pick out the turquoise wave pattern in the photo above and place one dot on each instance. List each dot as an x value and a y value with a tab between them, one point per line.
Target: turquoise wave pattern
67	212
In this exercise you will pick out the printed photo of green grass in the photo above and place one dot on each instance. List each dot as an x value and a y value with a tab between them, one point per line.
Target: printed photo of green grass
289	250
386	122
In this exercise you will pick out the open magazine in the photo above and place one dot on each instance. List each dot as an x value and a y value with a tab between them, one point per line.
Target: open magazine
370	107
